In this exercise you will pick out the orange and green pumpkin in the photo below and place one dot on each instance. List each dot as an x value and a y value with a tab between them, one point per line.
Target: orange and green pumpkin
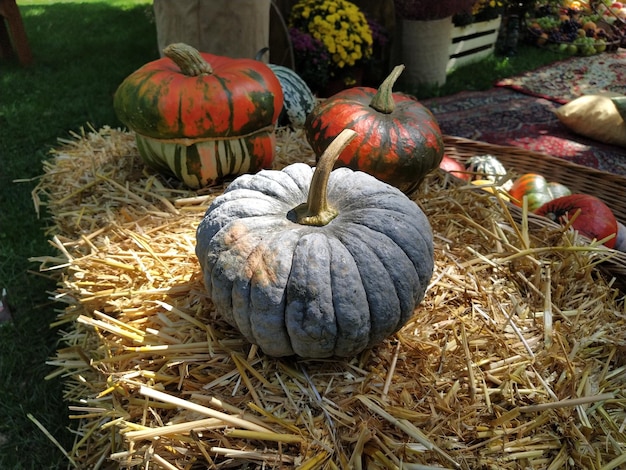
536	189
200	116
398	139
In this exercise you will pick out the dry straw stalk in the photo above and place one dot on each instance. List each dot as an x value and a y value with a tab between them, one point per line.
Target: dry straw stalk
515	360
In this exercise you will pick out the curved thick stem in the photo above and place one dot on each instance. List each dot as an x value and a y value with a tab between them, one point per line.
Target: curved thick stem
316	211
383	99
188	59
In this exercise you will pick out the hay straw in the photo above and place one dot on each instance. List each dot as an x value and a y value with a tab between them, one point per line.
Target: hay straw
228	419
516	358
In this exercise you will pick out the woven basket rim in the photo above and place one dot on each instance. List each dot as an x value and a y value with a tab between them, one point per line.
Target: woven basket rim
461	142
577	175
579	178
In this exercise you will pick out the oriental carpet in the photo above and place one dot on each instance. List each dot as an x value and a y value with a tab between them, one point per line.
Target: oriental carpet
567	79
503	116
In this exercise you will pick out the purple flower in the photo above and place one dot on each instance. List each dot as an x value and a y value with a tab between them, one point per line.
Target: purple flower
312	62
380	36
429	9
307	44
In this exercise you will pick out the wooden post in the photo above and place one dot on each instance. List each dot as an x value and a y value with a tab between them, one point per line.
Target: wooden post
231	28
12	33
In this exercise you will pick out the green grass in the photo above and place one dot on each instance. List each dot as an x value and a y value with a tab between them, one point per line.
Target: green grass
82	50
482	75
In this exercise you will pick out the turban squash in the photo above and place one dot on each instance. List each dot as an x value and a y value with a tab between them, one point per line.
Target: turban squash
398	139
312	262
200	116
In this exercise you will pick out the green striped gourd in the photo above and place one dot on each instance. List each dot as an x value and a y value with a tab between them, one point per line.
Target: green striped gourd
299	100
200	116
298	97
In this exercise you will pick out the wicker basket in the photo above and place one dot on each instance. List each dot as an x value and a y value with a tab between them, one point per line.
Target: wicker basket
608	187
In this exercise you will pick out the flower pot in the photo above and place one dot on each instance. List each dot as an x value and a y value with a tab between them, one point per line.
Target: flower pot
424	51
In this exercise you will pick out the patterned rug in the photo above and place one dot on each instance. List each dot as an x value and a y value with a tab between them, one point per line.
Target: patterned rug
567	79
503	116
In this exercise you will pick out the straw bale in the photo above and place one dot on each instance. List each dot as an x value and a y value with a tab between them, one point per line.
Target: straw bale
515	359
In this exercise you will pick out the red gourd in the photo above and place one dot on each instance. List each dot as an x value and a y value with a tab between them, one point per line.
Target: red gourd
454	167
202	116
595	220
398	139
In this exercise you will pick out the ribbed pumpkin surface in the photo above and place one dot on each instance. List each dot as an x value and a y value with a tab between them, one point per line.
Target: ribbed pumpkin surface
315	263
314	291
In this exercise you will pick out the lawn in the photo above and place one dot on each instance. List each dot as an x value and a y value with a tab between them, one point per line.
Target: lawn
82	51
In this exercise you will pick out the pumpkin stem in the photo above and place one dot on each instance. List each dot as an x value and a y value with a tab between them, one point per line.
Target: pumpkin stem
316	211
383	99
188	59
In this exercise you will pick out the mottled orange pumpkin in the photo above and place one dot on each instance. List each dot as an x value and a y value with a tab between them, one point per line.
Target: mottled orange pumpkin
537	190
189	94
202	117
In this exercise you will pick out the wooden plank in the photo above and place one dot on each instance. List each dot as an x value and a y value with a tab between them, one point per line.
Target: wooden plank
473	42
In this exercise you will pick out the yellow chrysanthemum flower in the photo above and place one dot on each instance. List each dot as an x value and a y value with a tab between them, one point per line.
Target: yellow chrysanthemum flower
481	5
339	24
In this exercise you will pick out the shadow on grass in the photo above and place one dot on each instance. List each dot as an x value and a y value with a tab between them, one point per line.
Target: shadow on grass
82	51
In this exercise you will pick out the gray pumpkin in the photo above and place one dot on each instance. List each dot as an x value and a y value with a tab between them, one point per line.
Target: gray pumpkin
320	273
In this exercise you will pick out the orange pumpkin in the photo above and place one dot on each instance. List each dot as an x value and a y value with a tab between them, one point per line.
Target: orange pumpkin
200	116
398	139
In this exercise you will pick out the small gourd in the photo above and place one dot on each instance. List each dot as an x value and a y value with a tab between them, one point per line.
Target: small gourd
454	167
488	167
398	139
312	262
299	100
537	190
200	116
593	218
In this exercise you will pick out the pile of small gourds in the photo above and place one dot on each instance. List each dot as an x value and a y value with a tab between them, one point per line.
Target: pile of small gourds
309	261
587	214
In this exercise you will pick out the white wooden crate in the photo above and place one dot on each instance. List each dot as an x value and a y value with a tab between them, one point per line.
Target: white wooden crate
473	42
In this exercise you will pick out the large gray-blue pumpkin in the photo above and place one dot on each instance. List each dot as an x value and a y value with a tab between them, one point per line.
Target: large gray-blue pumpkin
315	263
